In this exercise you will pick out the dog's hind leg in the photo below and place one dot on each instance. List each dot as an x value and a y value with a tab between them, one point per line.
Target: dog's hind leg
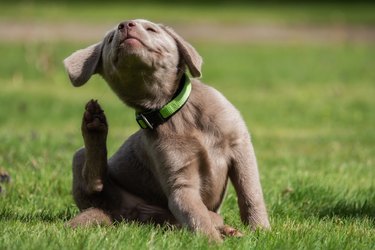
83	197
90	167
91	205
94	131
90	163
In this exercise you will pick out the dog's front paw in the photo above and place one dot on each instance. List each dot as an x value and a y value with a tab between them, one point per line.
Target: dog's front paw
94	124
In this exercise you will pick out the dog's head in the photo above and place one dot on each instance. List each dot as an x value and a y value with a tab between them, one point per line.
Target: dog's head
133	56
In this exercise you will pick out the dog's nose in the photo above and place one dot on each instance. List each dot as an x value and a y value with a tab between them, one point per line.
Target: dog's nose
128	25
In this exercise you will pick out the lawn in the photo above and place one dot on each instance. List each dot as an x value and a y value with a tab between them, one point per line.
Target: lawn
309	107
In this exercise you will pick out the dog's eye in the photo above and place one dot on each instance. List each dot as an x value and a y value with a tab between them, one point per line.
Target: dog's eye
111	38
151	29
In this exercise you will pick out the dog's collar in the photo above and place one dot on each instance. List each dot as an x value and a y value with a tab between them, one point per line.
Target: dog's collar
151	119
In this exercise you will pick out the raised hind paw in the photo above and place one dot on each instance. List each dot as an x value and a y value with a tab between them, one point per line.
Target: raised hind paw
94	132
94	125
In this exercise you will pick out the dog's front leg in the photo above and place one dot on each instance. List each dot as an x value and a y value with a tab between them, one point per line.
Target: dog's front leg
187	206
245	178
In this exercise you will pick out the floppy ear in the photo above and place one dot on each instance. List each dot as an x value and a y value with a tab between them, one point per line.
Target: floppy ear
82	64
191	57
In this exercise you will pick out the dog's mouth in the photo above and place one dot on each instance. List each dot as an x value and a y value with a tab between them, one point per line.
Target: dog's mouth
131	40
134	42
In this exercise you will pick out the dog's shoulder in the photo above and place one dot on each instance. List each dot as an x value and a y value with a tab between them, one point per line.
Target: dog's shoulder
207	112
214	104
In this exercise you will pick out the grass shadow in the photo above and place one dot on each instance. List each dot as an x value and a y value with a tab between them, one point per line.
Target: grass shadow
307	201
350	209
41	216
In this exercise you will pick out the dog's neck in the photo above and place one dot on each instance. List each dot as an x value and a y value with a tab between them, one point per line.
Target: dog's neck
148	91
153	118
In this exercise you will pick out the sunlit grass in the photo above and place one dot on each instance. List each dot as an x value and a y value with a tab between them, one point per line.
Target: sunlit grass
310	111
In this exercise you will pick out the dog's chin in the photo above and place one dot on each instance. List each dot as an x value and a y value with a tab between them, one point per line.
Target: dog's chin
134	59
131	46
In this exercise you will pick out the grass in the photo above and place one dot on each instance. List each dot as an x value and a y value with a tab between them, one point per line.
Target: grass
310	109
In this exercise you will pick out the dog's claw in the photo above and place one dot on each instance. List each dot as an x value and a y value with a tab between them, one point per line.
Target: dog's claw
228	231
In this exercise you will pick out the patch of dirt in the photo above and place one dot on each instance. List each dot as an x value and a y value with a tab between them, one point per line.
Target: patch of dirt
206	32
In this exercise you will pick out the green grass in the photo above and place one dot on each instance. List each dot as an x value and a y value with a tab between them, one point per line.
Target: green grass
310	109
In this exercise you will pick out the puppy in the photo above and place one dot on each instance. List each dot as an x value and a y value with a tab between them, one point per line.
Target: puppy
176	167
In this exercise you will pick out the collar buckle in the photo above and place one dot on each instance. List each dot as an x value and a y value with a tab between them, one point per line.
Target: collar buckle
143	122
150	119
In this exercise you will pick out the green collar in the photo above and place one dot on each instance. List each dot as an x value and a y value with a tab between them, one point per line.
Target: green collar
153	118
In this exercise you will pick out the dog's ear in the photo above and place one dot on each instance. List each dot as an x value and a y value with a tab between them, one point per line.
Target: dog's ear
82	64
191	57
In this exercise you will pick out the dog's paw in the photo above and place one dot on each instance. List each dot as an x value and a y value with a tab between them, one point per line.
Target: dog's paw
94	125
94	119
228	231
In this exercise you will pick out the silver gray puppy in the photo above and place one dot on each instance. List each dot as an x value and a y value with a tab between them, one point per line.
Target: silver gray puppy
175	169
